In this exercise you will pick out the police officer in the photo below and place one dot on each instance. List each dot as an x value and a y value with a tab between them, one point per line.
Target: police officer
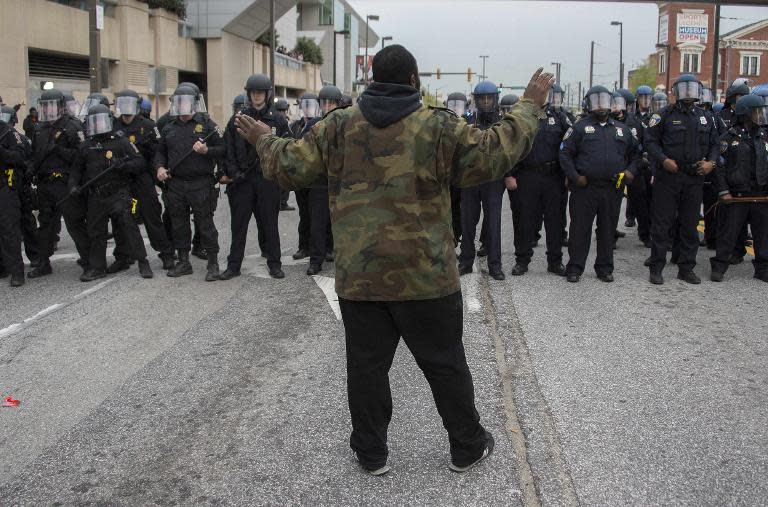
732	95
742	172
249	193
658	103
320	238
54	147
185	160
622	110
281	109
90	101
109	160
239	102
145	109
311	113
73	107
644	96
709	192
536	187
13	152
486	97
456	102
143	133
557	100
682	140
597	154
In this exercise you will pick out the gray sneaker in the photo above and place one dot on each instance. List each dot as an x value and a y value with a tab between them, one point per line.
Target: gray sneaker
486	452
373	471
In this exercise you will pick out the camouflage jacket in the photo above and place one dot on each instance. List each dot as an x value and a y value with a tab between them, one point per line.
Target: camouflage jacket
389	191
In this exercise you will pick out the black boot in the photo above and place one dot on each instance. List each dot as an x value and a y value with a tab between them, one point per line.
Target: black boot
167	259
181	268
213	269
41	270
144	270
200	252
17	279
117	266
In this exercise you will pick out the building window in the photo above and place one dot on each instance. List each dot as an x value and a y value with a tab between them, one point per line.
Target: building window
662	63
690	63
750	65
326	13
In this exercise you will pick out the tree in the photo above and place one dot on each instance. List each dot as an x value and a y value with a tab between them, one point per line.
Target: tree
309	50
265	41
175	6
645	74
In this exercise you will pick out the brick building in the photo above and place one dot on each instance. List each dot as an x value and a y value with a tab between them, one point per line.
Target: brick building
684	46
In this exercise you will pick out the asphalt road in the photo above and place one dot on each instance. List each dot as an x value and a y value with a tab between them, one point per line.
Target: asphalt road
177	391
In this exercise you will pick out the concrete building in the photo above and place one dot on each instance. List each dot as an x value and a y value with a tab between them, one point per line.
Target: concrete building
152	50
684	46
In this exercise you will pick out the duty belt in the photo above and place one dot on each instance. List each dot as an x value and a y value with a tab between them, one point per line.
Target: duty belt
553	165
107	189
689	169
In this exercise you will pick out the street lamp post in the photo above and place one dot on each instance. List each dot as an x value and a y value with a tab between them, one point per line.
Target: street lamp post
557	71
336	33
385	39
484	57
621	51
368	18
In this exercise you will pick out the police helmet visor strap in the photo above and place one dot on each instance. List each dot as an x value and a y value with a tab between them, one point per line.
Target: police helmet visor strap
599	101
310	108
6	118
759	115
555	98
644	101
73	107
486	102
457	106
126	106
618	104
87	105
48	110
688	90
100	123
706	96
182	105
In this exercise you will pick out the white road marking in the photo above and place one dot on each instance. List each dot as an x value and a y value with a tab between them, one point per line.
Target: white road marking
95	288
469	288
328	286
29	320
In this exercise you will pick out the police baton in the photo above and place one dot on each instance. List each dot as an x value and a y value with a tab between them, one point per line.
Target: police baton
190	152
78	190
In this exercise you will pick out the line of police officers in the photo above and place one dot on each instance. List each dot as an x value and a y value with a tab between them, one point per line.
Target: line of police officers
669	158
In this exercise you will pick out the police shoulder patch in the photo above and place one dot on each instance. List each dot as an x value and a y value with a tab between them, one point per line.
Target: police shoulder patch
655	120
619	131
551	120
589	129
723	146
568	133
157	133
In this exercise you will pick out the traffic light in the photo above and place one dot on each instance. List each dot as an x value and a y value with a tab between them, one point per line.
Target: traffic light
469	74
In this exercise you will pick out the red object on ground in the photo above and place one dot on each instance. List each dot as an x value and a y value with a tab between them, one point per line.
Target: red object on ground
10	402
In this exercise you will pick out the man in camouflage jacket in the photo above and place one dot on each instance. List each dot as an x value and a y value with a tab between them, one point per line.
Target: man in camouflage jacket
390	163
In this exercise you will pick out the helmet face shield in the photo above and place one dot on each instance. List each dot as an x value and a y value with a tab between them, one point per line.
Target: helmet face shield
100	123
658	104
457	106
555	99
87	105
486	102
48	110
310	108
706	96
688	90
200	104
183	105
126	106
5	117
73	107
599	102
644	101
618	105
328	105
760	115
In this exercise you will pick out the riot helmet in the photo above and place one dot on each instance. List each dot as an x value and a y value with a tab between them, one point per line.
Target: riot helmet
644	95
282	105
90	101
507	101
146	107
718	108
556	95
309	105
618	106
98	121
238	104
7	115
73	107
457	102
659	102
707	97
753	108
329	98
629	99
199	99
183	101
598	100
687	88
762	92
486	97
127	103
259	82
50	106
737	89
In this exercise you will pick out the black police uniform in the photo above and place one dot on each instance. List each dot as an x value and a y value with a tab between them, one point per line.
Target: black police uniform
687	137
12	156
251	193
143	133
54	147
638	196
742	171
599	152
109	197
539	191
298	129
28	197
490	196
192	179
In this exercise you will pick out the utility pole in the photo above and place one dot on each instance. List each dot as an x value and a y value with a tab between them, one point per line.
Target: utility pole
716	54
484	57
591	63
621	51
557	71
581	96
272	46
94	39
368	19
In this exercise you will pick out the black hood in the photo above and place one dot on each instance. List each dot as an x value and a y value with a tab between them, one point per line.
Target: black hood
383	104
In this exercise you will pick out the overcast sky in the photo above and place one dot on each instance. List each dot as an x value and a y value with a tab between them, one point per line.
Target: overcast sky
520	36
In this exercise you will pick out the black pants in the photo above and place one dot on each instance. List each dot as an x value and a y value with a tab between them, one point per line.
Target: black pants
302	200
586	204
732	219
51	191
150	210
29	224
456	213
432	330
254	195
539	192
320	222
490	195
115	207
10	230
675	197
284	195
183	196
711	212
638	198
